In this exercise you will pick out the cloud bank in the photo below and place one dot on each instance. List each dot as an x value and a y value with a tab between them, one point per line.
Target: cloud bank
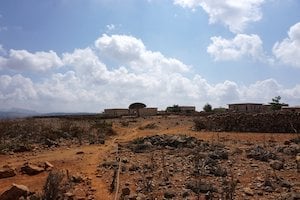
118	70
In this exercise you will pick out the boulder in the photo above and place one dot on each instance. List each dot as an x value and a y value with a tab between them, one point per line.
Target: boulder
276	164
31	169
200	187
169	194
15	192
6	172
125	191
48	165
248	191
77	178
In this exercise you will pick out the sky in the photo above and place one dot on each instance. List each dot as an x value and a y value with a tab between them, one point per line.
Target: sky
87	55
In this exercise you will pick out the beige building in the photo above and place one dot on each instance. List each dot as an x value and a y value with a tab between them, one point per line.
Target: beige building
246	107
116	112
187	109
147	111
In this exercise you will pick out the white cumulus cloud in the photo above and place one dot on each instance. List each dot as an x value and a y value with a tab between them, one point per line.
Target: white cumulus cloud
239	47
288	50
128	50
23	60
235	14
16	91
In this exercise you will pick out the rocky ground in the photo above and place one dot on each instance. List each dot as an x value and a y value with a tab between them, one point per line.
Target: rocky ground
158	158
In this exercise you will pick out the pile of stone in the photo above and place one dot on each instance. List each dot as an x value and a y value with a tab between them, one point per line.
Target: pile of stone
164	141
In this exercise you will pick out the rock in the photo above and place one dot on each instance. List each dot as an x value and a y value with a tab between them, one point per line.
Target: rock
125	160
145	144
219	154
248	191
15	192
169	194
77	178
200	187
237	151
31	169
125	191
276	164
259	153
48	165
21	148
285	183
218	171
51	143
291	150
185	193
69	195
79	152
7	172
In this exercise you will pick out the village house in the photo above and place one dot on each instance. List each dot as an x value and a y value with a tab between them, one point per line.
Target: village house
147	111
246	107
187	109
116	112
135	109
181	109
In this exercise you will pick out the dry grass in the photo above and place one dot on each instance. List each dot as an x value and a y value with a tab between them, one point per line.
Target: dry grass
19	135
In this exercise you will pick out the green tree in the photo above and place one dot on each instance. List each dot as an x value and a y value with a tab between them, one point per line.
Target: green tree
276	104
207	107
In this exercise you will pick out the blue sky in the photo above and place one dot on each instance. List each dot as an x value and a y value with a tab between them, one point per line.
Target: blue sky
87	55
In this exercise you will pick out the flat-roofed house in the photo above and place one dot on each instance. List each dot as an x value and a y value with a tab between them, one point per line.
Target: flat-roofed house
246	107
187	109
116	112
147	111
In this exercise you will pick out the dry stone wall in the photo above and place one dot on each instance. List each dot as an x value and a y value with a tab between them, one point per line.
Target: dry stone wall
271	122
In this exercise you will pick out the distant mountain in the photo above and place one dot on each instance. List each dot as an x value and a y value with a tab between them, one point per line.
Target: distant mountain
21	113
65	114
17	113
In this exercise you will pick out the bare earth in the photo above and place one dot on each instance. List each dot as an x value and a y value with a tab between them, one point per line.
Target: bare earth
249	172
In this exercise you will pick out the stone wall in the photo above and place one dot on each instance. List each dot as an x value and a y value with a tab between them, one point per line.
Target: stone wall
269	122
